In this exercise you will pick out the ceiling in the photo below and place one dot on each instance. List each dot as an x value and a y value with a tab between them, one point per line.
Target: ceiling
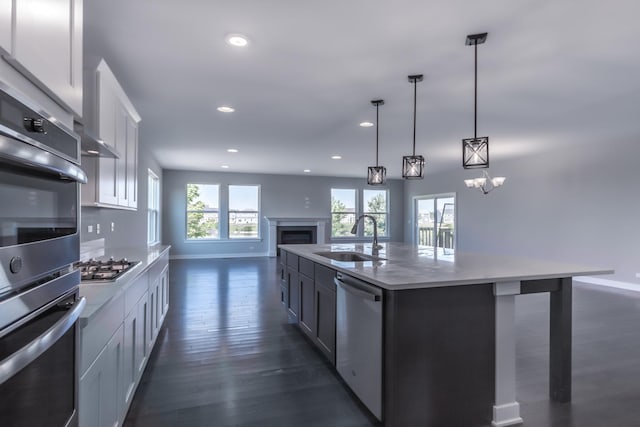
551	73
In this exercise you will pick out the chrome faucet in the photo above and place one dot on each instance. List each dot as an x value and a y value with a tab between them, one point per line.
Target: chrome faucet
375	246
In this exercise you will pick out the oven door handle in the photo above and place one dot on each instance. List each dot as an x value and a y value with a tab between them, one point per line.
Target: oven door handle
30	352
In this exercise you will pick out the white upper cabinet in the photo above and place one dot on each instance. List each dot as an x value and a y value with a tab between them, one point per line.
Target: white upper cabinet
111	117
43	41
6	13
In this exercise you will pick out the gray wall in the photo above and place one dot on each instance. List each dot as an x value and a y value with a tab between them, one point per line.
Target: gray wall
281	196
579	203
130	226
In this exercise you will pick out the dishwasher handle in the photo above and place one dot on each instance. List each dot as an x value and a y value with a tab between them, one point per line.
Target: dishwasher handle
357	291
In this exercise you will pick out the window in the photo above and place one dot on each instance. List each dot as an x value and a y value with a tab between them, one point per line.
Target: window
153	210
244	211
375	204
435	219
203	221
343	212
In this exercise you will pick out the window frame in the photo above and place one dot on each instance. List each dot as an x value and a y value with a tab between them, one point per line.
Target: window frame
230	211
187	211
153	207
385	213
360	210
331	213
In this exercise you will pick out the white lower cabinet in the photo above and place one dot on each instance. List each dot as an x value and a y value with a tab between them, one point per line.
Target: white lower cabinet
164	291
113	362
100	386
135	348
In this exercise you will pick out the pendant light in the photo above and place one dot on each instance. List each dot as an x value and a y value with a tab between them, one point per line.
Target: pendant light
413	166
376	175
475	151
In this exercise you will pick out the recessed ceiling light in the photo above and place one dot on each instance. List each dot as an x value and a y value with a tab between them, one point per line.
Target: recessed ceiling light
225	166
226	109
366	124
307	171
336	157
232	150
237	40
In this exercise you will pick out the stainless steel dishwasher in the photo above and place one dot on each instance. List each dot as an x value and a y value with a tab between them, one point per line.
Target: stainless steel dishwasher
359	339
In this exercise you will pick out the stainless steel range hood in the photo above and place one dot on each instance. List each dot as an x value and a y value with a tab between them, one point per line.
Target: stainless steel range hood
93	146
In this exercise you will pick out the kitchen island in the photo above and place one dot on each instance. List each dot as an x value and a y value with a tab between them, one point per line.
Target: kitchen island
448	333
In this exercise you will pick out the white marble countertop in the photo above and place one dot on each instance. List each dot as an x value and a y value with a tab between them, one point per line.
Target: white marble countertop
99	294
405	266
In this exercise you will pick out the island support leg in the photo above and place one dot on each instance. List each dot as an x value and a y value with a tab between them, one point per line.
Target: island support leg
560	342
506	410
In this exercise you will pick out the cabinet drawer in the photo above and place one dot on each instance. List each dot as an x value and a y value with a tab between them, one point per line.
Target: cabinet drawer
324	277
306	267
99	330
135	291
157	267
292	261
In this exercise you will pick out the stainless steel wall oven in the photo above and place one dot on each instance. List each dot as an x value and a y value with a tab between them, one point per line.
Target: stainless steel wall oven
39	244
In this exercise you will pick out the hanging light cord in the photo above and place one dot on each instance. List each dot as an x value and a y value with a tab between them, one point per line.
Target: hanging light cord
377	127
475	94
415	96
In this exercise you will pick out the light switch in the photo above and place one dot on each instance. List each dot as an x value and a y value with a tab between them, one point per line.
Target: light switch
113	226
89	228
97	228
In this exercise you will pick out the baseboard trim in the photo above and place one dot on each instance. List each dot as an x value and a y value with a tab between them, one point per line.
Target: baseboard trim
608	283
212	256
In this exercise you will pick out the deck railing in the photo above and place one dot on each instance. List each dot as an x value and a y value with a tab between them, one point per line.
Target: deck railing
426	237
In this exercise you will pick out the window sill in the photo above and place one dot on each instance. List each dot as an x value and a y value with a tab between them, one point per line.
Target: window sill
358	239
223	241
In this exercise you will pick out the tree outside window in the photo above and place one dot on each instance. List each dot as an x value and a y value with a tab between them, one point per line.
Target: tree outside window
375	202
343	212
203	211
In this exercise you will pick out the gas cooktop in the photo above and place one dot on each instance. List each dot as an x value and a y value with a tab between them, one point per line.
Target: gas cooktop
104	271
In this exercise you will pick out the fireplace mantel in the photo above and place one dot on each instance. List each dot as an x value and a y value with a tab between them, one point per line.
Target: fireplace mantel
274	222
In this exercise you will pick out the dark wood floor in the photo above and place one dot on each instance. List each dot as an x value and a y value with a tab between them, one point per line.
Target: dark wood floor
226	356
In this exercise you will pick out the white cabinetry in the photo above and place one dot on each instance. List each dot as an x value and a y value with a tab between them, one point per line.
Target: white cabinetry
110	115
43	41
116	344
100	386
135	337
6	14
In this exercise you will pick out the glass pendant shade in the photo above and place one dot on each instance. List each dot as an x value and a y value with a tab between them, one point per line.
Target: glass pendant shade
413	167
475	153
376	175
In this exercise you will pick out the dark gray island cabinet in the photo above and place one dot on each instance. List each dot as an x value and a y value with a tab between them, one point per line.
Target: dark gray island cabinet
448	333
308	292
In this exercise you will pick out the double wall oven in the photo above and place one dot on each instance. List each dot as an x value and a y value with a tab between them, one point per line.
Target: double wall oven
39	244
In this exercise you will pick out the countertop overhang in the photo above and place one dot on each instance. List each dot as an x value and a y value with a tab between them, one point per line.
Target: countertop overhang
404	266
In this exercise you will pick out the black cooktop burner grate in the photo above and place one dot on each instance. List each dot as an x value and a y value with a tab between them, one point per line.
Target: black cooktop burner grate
104	271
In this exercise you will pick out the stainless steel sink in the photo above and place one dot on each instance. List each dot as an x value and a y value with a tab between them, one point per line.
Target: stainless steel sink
348	256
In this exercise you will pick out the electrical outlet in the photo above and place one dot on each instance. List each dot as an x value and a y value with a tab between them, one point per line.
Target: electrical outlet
89	228
97	228
113	226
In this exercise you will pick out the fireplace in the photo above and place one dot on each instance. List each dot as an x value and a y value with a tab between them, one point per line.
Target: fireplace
296	235
292	231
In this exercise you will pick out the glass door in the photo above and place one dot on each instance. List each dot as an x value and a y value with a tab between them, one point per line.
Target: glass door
435	220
